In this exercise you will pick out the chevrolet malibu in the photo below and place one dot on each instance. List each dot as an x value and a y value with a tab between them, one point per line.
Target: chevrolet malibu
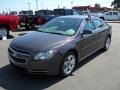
57	47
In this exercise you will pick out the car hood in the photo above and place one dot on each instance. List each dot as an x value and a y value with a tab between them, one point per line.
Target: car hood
39	41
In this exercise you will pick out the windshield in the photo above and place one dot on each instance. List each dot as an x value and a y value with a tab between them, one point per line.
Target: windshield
63	26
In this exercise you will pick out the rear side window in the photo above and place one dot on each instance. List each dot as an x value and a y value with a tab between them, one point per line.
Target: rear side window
97	23
115	13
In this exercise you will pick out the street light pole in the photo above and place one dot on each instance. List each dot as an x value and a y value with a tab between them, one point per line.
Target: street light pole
28	5
37	4
71	4
42	4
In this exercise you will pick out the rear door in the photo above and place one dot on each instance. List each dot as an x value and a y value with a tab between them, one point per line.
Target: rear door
87	43
100	30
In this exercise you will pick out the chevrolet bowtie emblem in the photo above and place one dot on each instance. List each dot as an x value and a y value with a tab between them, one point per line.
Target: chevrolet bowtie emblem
14	54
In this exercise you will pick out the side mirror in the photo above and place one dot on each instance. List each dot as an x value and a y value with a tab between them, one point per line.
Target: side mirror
87	32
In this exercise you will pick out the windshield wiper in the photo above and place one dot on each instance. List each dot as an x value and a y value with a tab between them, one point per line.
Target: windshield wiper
41	31
57	33
52	32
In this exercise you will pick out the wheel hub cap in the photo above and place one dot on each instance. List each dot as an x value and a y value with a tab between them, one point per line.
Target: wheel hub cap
108	43
3	32
69	64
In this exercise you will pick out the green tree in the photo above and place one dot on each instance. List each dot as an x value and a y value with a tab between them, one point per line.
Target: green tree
116	3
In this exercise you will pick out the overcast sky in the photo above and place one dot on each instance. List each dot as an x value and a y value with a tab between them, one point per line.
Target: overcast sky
6	5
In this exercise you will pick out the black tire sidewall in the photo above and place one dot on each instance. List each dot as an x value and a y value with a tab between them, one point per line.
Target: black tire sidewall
105	48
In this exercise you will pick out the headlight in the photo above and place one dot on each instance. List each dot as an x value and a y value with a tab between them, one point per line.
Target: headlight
45	55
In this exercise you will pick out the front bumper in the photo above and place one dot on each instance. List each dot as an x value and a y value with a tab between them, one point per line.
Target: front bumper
50	67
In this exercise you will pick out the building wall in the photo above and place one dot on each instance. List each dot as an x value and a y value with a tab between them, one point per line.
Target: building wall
92	9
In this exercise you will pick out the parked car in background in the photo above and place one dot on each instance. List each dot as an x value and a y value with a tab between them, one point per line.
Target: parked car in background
97	14
30	21
58	46
28	12
13	13
110	15
26	18
43	16
43	12
8	23
59	12
85	12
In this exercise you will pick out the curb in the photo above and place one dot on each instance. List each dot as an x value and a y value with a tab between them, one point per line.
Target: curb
112	21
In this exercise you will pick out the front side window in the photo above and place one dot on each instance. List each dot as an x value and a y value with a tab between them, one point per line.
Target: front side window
63	26
109	13
88	26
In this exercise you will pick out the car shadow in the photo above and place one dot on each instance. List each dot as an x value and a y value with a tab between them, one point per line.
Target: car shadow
88	59
10	37
11	79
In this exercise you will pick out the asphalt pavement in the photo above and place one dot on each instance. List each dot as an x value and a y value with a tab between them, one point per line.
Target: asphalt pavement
101	71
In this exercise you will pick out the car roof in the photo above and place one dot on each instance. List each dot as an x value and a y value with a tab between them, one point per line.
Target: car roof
78	17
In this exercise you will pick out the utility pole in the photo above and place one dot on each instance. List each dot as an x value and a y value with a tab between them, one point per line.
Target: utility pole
36	4
28	5
42	4
71	4
58	6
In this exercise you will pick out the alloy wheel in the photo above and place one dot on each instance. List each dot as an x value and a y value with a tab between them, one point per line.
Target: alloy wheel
3	32
108	41
69	64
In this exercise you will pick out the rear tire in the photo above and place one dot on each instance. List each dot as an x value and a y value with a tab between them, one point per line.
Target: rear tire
107	43
68	64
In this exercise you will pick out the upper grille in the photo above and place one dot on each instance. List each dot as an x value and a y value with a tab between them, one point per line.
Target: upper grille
19	51
18	55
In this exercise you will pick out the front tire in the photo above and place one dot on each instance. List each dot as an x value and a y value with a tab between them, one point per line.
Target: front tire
68	64
4	32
